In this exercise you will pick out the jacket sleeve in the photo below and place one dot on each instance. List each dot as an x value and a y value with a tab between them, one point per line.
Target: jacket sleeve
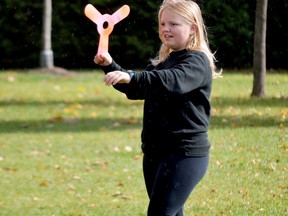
187	74
112	67
133	90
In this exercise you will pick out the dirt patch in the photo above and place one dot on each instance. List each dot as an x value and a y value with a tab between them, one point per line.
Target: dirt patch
57	71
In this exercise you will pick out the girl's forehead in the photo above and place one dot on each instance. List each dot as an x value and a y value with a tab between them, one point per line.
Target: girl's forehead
167	13
170	15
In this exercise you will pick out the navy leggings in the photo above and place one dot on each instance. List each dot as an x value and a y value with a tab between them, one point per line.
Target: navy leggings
170	180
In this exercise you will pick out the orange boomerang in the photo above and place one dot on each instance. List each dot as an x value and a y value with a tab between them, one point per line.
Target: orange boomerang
105	23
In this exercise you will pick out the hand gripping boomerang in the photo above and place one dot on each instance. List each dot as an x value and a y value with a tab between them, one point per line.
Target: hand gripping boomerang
105	23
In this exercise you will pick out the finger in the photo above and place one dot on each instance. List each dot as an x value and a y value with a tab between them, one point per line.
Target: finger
108	79
106	56
113	78
117	79
98	59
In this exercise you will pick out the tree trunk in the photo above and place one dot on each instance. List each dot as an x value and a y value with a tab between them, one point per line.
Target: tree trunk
46	56
259	56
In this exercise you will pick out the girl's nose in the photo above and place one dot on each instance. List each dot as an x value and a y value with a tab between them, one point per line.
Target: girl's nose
165	28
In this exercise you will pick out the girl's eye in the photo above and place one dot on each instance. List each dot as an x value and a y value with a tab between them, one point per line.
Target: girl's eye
170	24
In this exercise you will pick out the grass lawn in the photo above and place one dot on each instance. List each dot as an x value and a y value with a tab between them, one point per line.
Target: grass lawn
71	146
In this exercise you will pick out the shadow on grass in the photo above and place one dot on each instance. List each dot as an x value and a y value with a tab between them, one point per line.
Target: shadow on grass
281	101
259	118
69	125
219	120
222	121
108	124
97	102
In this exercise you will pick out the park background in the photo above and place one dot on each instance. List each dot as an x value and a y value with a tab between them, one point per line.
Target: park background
70	146
135	39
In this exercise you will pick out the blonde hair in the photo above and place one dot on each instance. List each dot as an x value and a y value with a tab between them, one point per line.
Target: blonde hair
191	12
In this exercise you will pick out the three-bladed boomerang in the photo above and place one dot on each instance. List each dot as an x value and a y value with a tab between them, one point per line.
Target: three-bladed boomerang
105	23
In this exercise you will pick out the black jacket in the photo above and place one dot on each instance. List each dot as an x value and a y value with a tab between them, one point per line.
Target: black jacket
176	108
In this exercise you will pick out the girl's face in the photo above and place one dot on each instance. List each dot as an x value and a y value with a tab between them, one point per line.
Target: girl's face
174	31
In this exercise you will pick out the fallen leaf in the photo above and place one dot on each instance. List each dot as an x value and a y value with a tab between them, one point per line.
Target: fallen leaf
43	184
94	114
131	121
213	190
98	91
120	195
24	126
120	184
138	157
57	118
102	129
70	120
71	187
35	198
77	177
128	149
116	124
11	77
93	205
81	89
56	87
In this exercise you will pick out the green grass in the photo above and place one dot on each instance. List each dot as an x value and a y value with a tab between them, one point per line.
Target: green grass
71	146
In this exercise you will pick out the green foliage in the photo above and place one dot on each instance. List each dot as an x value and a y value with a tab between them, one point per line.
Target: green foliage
135	39
277	33
231	29
20	39
71	146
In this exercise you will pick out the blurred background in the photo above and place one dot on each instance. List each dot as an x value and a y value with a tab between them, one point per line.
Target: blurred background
134	41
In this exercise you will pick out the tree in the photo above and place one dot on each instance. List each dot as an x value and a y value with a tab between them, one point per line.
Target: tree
46	56
259	55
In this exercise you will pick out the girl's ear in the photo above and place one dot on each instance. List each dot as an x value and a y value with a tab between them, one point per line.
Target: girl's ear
193	29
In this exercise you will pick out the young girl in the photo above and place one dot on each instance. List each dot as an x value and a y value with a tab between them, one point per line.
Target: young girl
176	87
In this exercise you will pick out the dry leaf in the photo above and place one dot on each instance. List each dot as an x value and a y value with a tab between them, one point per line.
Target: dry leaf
70	120
119	194
43	184
57	118
77	177
94	114
138	157
128	149
102	129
